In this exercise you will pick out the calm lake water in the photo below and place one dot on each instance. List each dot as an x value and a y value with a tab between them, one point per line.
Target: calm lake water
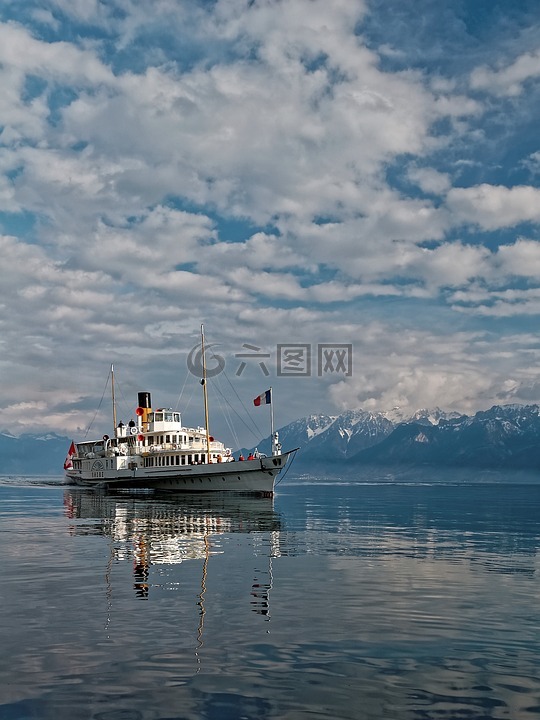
415	600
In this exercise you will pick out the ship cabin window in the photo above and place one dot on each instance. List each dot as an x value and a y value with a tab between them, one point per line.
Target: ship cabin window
183	459
167	438
176	417
150	439
190	459
158	417
203	458
190	438
168	416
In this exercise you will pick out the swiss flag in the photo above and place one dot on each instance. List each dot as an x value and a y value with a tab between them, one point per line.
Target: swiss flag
68	464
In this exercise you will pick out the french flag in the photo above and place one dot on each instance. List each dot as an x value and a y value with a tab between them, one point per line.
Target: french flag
264	399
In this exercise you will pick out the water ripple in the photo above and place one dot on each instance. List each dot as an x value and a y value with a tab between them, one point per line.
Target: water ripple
413	603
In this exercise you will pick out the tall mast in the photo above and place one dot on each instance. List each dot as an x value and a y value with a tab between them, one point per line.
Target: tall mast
271	416
113	401
205	393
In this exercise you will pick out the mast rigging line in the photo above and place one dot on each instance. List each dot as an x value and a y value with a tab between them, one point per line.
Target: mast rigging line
257	433
118	392
224	408
99	405
179	399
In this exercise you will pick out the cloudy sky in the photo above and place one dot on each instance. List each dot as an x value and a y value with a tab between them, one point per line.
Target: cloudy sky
309	173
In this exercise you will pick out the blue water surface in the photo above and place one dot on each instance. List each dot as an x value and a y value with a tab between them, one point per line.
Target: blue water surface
415	598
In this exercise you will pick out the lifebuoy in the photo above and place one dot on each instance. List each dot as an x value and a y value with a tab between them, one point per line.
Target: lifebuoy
133	430
228	452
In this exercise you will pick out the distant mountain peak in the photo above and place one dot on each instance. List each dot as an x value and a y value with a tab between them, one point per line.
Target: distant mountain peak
5	433
433	416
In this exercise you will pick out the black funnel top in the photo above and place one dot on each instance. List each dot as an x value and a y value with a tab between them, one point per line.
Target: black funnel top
145	400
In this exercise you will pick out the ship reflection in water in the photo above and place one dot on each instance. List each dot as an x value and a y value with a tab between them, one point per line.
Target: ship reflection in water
153	529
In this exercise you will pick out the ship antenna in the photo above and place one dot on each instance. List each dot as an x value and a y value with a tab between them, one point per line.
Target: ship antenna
271	416
205	393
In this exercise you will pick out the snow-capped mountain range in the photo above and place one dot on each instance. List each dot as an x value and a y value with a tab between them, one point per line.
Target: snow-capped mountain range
505	436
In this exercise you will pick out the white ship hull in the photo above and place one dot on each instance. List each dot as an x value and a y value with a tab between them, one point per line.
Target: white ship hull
249	476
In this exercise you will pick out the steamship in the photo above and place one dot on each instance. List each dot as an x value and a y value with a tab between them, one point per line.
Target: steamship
157	451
